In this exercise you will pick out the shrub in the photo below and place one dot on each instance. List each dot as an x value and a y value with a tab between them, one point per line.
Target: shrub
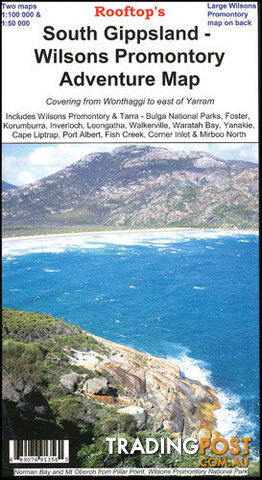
71	409
116	423
25	360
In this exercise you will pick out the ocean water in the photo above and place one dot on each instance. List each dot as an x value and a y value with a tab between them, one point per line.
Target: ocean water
190	296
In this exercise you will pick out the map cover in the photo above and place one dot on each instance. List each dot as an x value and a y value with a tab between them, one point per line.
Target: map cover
130	322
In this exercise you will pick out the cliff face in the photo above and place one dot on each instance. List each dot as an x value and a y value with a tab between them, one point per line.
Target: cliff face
140	186
68	369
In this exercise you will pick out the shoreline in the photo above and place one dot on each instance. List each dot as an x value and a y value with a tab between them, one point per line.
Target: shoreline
131	231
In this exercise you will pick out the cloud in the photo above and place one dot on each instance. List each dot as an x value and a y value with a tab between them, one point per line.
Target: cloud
38	161
187	147
43	156
235	151
25	177
43	161
228	151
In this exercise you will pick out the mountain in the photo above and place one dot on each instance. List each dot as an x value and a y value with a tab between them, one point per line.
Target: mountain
140	186
7	186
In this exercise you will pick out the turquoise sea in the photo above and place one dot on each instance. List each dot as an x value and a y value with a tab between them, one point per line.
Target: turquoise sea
191	296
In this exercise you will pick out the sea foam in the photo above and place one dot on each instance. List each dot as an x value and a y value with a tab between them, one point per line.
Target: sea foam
62	243
231	420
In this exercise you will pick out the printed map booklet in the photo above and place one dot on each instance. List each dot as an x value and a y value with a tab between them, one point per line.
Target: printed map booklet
130	320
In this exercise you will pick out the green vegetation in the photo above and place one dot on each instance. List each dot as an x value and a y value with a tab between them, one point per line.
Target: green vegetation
249	221
27	326
31	362
189	193
116	423
141	359
56	334
42	344
254	469
18	231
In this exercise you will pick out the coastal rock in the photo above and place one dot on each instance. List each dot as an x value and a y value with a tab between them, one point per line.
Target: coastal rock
27	410
25	398
177	417
98	386
156	385
204	433
173	427
71	381
192	423
139	413
132	381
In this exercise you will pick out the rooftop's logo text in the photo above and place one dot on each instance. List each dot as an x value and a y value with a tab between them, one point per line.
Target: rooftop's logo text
129	11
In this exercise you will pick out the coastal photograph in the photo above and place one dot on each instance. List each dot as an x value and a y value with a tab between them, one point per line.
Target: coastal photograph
130	299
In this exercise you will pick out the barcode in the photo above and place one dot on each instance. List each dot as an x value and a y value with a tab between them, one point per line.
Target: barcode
37	451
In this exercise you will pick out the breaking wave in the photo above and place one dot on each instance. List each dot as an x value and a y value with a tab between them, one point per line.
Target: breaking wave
231	419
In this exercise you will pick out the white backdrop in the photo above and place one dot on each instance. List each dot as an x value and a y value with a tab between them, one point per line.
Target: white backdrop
27	85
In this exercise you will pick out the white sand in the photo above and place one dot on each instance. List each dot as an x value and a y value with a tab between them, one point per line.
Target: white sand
140	231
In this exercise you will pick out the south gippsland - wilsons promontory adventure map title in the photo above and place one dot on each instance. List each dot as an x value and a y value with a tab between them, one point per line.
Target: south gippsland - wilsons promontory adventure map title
125	56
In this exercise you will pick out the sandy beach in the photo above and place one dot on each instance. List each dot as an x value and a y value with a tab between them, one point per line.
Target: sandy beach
139	231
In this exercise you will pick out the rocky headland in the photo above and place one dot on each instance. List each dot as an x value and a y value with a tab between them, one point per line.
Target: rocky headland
149	387
47	362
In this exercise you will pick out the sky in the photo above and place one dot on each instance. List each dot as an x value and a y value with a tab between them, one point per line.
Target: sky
26	163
